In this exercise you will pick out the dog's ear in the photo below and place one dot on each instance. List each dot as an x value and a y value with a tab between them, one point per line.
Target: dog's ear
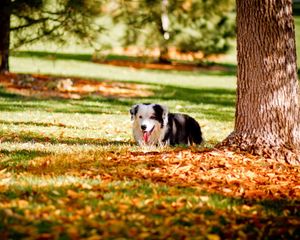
162	112
133	111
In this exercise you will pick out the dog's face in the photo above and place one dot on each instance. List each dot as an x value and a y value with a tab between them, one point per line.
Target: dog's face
148	120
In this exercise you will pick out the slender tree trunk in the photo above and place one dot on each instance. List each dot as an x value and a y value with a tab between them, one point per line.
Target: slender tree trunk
267	110
164	30
5	12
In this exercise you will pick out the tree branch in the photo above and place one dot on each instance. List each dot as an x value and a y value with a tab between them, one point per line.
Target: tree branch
32	22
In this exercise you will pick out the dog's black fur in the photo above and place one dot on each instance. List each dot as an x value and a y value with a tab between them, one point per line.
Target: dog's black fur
175	128
187	133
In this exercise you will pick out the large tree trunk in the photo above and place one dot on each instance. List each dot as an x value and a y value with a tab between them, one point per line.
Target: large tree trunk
5	12
267	110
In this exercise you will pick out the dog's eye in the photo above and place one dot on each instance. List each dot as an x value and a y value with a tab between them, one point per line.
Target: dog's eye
140	117
153	117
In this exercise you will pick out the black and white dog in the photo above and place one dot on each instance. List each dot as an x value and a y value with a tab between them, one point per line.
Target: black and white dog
154	125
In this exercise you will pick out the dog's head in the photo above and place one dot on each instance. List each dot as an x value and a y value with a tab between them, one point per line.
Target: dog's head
149	119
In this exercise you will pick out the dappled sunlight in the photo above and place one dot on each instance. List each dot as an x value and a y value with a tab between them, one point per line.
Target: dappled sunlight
70	169
69	165
39	132
48	147
46	182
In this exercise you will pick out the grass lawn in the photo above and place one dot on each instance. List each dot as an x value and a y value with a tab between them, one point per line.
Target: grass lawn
70	170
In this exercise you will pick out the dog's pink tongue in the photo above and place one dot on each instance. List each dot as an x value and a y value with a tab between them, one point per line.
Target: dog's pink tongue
146	136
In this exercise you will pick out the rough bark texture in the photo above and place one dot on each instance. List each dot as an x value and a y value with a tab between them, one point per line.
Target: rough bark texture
267	109
5	11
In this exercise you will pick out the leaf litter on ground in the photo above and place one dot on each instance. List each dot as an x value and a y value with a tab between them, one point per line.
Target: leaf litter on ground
170	193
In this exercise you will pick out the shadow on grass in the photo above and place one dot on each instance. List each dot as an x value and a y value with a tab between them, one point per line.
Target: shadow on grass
92	105
39	124
34	137
53	55
7	95
106	106
212	96
278	207
208	101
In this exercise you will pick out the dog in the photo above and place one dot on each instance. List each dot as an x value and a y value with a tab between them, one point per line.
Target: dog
152	124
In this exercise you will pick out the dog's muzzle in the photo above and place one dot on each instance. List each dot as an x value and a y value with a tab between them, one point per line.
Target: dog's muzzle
147	134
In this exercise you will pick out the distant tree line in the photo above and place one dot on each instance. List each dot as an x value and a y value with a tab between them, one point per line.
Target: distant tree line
188	25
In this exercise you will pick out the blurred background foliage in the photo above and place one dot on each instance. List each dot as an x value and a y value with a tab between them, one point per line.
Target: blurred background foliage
54	20
153	27
205	26
186	25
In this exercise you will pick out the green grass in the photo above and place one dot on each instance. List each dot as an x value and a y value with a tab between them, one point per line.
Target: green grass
208	96
69	168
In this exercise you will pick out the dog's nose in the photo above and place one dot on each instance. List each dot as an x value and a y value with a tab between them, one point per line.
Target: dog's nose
143	127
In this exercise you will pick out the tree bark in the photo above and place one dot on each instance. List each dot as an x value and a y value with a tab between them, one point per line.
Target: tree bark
164	31
5	12
267	118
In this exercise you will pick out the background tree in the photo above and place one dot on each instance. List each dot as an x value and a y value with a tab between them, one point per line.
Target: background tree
205	26
27	21
5	12
296	7
193	25
267	110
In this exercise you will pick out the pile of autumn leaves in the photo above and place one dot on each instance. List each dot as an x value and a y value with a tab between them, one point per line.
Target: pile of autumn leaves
223	171
155	195
240	175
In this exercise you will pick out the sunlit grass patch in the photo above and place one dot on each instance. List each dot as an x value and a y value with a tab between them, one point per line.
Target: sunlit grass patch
104	128
100	71
28	182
